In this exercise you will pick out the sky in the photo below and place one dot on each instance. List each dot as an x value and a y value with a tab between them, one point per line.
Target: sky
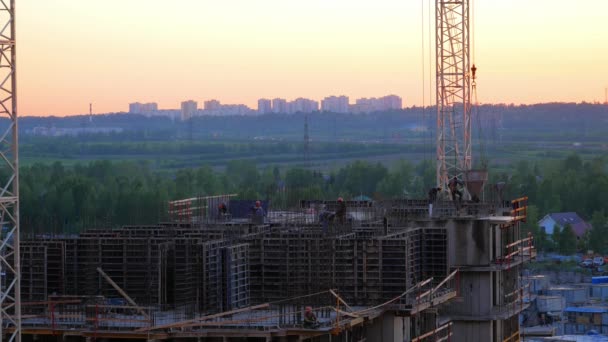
112	52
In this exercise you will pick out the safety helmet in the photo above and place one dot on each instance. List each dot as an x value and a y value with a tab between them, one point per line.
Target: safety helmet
340	199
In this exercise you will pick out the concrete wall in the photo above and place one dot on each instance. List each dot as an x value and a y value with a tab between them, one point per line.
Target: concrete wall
469	243
467	331
476	294
388	328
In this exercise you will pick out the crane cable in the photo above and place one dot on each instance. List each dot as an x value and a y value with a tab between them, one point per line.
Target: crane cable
423	123
475	104
430	78
426	110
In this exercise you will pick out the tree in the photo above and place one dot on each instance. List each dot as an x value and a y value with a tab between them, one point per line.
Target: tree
573	162
567	241
531	225
397	183
543	242
360	177
598	237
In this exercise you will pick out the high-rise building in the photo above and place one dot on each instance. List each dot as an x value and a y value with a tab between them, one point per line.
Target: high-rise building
365	105
212	105
150	107
392	102
302	105
135	108
188	109
335	104
264	106
142	108
279	106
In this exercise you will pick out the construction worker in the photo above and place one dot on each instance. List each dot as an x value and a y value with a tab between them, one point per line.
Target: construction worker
432	198
341	211
453	186
433	194
257	213
324	218
310	320
222	209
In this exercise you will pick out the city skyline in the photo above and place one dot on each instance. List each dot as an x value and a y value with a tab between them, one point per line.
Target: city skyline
545	51
335	104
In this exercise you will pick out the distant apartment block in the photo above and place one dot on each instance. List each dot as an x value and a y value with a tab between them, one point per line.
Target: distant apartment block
335	104
188	109
392	102
212	105
279	106
365	105
234	109
264	106
302	105
142	108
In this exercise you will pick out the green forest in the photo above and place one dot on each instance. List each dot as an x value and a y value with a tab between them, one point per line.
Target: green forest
60	199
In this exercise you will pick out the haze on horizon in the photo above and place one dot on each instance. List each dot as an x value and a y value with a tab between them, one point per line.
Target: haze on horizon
113	52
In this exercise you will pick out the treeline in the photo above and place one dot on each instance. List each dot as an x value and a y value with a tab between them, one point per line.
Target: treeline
56	198
547	122
75	147
568	185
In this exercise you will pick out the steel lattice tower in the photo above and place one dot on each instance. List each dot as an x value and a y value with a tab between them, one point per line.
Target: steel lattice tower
10	278
306	140
453	90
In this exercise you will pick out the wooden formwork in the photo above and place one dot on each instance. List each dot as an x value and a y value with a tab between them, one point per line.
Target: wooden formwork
218	267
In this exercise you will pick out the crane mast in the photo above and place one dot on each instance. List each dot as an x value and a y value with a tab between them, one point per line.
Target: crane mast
10	270
453	90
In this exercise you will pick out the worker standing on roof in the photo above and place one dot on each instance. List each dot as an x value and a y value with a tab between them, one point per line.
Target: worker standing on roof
258	213
433	198
341	211
453	185
222	209
259	210
310	320
324	218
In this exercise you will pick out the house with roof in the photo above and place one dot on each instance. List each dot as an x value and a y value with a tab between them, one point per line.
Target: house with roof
550	221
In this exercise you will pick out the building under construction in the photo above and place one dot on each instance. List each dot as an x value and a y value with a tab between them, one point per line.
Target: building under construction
387	271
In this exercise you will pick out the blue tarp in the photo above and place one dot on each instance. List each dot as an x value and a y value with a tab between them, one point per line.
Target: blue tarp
599	280
242	208
586	309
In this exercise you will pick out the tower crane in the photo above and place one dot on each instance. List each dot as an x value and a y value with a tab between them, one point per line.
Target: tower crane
454	77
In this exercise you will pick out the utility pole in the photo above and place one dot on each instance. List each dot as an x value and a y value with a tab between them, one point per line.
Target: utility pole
453	90
306	140
10	269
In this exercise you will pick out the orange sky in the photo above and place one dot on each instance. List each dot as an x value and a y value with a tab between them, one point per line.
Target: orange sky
112	52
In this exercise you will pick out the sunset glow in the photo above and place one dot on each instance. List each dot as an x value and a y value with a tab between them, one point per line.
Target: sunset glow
113	52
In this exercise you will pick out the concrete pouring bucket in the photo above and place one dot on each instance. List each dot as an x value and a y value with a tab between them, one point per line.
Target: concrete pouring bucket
475	181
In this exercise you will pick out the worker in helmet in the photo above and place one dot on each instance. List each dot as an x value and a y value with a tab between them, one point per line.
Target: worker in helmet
222	209
310	320
454	188
259	211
